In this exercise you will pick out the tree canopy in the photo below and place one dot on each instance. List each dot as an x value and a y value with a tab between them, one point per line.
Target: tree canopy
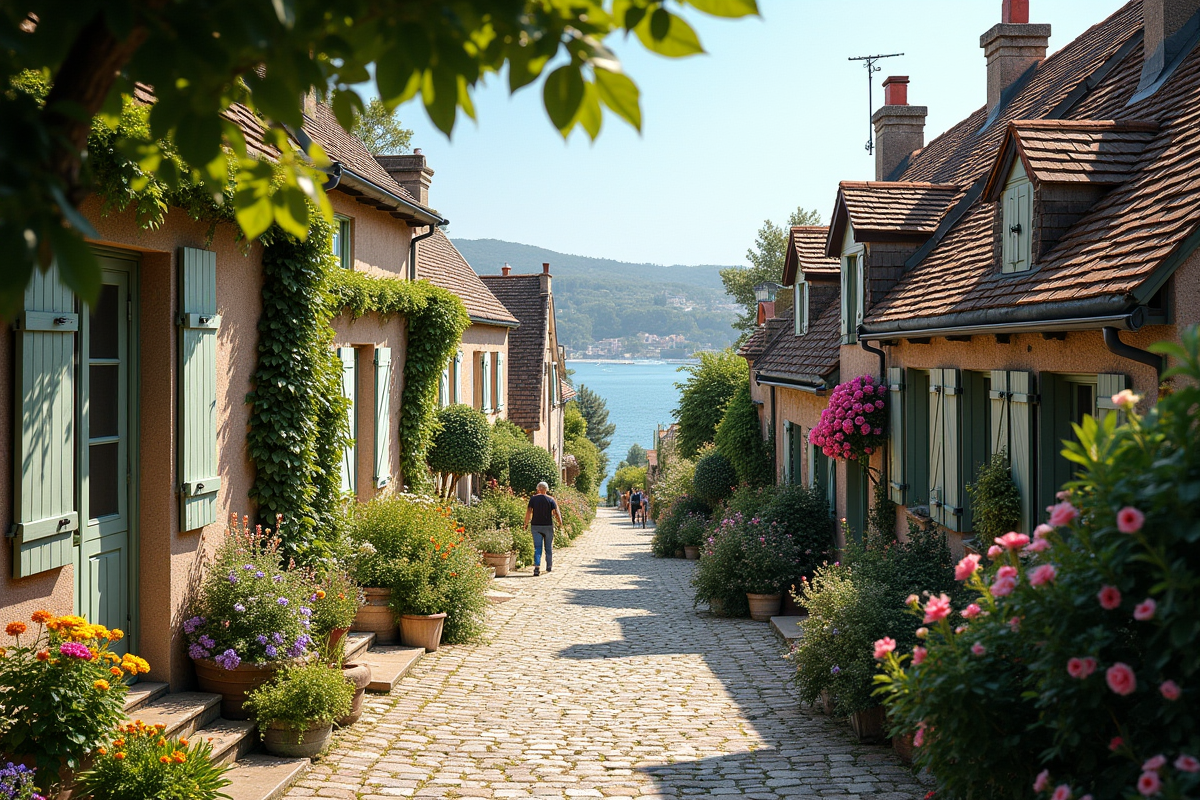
637	456
766	264
739	438
380	130
202	58
703	396
595	414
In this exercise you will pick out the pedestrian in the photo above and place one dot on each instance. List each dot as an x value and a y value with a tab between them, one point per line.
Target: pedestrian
635	503
542	511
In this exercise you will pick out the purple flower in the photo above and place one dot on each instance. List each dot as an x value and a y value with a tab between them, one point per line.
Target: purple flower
835	670
261	639
229	659
189	626
277	638
207	641
277	578
271	651
198	652
232	577
248	567
238	607
306	611
283	601
75	650
259	574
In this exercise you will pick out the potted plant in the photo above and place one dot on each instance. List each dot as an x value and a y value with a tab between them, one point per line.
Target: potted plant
496	547
691	534
382	534
250	616
718	575
770	556
140	762
62	690
335	603
296	709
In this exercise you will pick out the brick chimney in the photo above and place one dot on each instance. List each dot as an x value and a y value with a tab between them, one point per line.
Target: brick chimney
544	278
506	270
1168	26
899	127
411	172
1012	47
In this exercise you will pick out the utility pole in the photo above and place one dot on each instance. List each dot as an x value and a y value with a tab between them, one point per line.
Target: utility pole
869	63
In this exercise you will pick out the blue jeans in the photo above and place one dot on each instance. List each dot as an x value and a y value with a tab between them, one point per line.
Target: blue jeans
540	533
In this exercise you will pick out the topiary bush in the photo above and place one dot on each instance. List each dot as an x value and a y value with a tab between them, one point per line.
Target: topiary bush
461	446
995	499
530	466
740	438
506	438
715	477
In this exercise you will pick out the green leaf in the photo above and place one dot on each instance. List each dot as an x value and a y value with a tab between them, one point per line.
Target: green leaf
252	209
396	78
524	66
668	35
726	8
590	116
620	94
439	90
198	138
290	211
76	262
562	95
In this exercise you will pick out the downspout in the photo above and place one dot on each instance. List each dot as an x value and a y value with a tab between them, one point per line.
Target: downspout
876	350
1112	340
412	248
774	438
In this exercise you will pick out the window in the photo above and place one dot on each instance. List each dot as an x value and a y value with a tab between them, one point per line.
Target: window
1065	401
456	379
498	381
1017	222
852	296
341	241
801	307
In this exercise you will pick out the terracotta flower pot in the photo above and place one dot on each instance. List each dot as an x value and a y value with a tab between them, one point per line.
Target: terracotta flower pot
422	630
283	740
359	675
375	617
512	560
500	561
691	553
232	684
903	745
764	606
868	725
335	636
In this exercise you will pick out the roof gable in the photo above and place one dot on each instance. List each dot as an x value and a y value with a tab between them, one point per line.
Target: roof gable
527	345
805	254
883	211
440	263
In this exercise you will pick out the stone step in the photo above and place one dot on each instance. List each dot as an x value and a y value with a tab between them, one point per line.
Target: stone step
787	628
142	693
357	643
388	665
183	713
230	739
263	777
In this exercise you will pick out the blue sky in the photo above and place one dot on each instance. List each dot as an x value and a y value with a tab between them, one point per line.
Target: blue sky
772	117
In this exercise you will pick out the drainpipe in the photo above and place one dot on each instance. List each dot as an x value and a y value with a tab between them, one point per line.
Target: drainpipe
1112	340
774	438
876	350
412	248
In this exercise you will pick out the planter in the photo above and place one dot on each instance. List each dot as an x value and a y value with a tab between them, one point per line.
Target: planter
789	607
359	675
512	560
501	562
679	553
335	636
375	616
825	703
691	553
868	725
422	630
764	606
232	684
903	745
283	740
717	606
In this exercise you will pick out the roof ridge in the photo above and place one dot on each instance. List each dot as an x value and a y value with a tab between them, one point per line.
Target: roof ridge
1134	125
899	184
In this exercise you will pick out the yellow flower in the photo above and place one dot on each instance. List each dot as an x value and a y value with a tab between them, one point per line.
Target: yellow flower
116	635
101	686
115	672
320	594
15	628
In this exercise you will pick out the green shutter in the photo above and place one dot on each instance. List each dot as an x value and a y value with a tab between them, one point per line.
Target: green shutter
845	299
198	321
45	513
1020	441
796	455
788	474
998	396
896	478
383	415
348	357
937	462
1106	386
500	375
456	380
485	380
1025	219
953	501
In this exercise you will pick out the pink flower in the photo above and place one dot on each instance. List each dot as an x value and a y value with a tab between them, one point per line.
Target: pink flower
1155	764
1063	514
1186	763
1149	784
972	611
1169	689
1130	520
912	600
978	649
1081	667
1126	399
1041	531
884	646
1002	587
1042	782
1012	540
919	738
1115	743
1061	792
995	551
1007	572
1014	624
919	654
1038	546
937	608
1144	610
1062	494
967	567
1121	679
1044	574
1109	597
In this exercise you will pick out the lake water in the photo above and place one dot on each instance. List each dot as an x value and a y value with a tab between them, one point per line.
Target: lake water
640	396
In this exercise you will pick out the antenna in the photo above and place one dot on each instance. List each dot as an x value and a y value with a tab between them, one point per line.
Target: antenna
869	63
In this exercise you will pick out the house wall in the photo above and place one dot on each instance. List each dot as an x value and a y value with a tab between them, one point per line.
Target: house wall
379	241
802	409
479	339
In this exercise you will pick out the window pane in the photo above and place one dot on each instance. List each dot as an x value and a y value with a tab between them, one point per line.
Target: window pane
104	319
104	396
103	480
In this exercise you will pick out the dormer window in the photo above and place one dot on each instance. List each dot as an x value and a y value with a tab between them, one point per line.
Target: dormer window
800	302
1017	222
852	295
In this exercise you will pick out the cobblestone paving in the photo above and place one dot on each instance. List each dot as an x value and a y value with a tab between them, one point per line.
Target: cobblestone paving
601	680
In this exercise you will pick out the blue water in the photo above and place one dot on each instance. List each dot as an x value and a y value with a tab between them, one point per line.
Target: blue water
640	395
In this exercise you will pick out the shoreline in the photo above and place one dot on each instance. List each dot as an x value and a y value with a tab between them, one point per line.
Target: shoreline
632	360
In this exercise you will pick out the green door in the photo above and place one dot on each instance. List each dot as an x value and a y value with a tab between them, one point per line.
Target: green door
107	391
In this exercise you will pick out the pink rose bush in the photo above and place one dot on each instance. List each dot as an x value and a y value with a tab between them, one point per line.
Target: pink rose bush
1081	663
854	425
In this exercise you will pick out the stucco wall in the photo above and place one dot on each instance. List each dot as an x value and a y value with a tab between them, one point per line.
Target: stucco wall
379	241
802	409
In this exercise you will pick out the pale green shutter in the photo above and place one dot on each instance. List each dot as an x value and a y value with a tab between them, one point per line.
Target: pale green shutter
896	479
456	380
1106	386
1008	237
45	513
952	415
198	322
500	375
937	460
788	474
347	356
444	387
485	380
383	415
1020	441
998	396
796	456
1025	219
845	298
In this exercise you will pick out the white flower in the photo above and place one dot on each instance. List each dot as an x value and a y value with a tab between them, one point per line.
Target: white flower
1126	399
367	549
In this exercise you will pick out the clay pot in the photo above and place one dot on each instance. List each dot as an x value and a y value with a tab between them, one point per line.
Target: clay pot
691	553
868	725
512	560
359	675
232	684
375	617
422	630
764	606
283	740
335	636
501	562
903	745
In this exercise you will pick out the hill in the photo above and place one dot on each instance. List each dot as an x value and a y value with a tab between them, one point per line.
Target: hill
600	298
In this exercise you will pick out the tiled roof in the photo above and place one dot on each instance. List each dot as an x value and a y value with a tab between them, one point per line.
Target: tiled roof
806	253
522	296
439	262
1110	253
888	210
810	358
566	391
761	339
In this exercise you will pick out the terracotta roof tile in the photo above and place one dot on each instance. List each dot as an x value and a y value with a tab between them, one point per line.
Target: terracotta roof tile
806	253
522	296
900	207
341	146
439	262
762	338
813	357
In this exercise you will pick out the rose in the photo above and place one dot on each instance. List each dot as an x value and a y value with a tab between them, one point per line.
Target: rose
1042	782
1012	540
919	654
1186	763
978	649
1109	597
972	611
1038	546
1170	690
1144	611
1043	575
1081	667
937	608
1062	514
995	551
1149	784
884	646
1126	399
1002	587
1154	764
1061	792
1121	678
967	567
1130	520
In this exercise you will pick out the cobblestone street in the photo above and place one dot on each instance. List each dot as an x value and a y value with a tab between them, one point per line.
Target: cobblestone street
601	680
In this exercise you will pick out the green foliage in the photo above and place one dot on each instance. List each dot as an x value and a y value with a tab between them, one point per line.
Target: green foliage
506	439
692	529
530	466
995	499
675	480
574	425
499	509
334	603
766	259
709	387
493	540
577	511
881	520
301	695
667	530
383	533
588	459
718	576
803	512
637	456
461	446
153	766
594	411
715	477
380	130
739	438
629	478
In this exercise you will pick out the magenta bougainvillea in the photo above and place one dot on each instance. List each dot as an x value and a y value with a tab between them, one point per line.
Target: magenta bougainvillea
852	427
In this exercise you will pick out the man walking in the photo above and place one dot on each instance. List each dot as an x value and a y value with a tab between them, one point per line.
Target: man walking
635	503
542	511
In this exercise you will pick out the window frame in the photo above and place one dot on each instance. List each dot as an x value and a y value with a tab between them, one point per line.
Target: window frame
853	281
800	304
343	240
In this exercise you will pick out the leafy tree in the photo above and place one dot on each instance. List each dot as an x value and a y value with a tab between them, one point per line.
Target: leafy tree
629	478
528	467
462	445
704	395
739	438
201	58
588	459
637	456
379	128
599	430
574	425
766	264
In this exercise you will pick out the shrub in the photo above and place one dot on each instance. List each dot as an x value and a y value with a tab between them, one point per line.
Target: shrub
300	696
667	539
995	499
139	762
803	512
461	446
854	424
577	511
383	534
739	437
506	439
493	540
588	459
628	478
692	530
674	481
710	385
530	466
335	602
715	477
718	575
522	542
17	783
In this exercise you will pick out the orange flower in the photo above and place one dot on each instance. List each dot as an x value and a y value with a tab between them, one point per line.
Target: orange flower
41	617
116	635
115	672
102	751
118	742
445	556
183	743
15	628
179	756
162	742
101	686
453	574
164	759
119	756
341	595
320	594
432	539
